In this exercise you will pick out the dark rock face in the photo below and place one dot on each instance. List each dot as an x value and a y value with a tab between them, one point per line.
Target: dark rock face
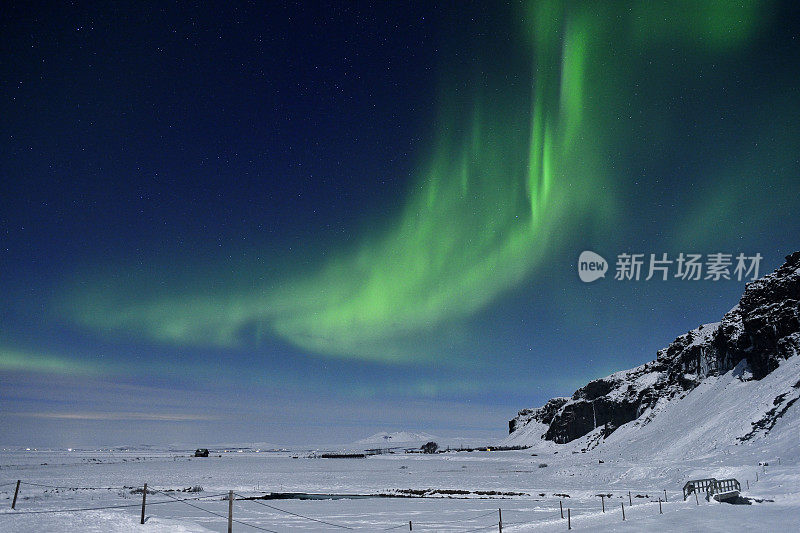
781	403
575	419
542	414
550	409
593	390
760	328
763	329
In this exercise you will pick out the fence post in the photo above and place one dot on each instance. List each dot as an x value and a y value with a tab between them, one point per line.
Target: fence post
623	510
144	500
696	499
230	511
500	523
603	502
16	491
665	494
659	507
569	519
756	476
630	501
560	506
748	484
410	527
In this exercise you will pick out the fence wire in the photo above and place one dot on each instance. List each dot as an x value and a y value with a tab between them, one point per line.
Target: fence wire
71	488
294	514
219	514
175	499
121	506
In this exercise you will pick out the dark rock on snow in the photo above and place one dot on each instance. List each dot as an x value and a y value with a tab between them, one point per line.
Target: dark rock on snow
751	339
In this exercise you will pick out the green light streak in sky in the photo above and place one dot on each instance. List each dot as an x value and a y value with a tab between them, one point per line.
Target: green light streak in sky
712	25
506	177
476	224
23	361
485	208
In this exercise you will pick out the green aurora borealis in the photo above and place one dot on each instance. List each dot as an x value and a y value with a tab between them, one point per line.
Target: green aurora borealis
505	176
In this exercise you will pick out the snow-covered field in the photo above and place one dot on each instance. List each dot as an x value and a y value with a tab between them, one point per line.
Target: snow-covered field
579	475
691	437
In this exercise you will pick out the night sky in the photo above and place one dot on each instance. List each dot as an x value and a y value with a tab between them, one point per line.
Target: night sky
306	223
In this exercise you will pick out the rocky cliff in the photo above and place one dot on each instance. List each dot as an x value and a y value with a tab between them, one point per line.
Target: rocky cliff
751	340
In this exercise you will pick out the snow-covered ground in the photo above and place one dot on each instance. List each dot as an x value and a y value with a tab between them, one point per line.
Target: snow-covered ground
689	437
580	475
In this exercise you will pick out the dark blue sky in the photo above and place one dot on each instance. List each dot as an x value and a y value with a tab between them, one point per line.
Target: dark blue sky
307	223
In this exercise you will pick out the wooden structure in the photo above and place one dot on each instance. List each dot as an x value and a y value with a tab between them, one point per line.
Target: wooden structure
697	485
722	488
725	489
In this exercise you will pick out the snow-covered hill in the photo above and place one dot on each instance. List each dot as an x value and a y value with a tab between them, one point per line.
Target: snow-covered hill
723	384
398	438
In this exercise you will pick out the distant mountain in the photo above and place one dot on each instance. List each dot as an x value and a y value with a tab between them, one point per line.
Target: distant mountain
398	438
724	383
